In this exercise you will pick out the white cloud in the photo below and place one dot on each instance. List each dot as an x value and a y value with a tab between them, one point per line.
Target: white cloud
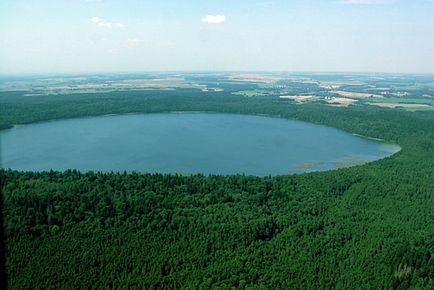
213	19
95	19
368	2
107	24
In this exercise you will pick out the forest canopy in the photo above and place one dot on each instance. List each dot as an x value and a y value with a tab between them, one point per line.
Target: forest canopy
370	226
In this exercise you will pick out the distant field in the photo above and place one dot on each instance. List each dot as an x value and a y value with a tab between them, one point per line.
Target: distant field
340	90
409	100
402	105
298	98
406	103
341	101
356	95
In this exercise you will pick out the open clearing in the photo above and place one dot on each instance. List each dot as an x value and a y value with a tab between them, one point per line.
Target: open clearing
396	105
297	98
356	95
341	101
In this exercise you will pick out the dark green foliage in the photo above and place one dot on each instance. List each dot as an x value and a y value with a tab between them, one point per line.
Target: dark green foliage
367	227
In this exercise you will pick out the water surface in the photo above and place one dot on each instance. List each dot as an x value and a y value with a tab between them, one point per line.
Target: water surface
185	143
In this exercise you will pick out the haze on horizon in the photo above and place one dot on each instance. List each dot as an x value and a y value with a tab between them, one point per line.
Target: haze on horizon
54	36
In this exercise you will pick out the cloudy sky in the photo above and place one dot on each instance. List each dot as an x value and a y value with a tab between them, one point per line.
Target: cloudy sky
142	35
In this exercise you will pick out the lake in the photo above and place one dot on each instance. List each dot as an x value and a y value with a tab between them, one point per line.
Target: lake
185	143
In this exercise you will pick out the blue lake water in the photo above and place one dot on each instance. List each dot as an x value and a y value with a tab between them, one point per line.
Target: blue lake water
185	143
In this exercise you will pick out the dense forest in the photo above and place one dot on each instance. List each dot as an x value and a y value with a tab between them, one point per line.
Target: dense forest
368	227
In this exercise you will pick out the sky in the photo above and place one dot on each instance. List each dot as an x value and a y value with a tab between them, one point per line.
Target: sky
87	36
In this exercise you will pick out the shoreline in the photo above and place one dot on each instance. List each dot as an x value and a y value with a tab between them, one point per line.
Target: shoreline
308	169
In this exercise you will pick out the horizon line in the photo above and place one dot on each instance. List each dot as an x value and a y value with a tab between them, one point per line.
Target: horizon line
2	74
